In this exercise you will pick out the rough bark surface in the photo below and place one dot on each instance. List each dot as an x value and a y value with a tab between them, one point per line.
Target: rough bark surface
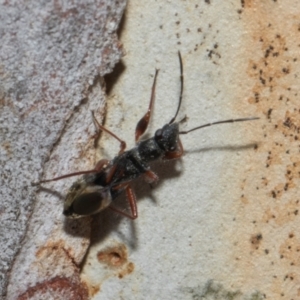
53	55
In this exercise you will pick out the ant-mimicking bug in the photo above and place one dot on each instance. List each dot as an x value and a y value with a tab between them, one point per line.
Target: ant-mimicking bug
98	188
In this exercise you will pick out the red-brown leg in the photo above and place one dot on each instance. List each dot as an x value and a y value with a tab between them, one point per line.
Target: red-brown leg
111	174
150	177
132	202
101	164
176	154
142	125
122	143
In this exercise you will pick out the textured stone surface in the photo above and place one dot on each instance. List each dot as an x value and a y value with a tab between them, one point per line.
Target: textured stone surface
53	55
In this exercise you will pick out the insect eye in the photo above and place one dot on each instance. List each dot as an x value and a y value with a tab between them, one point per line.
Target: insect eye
158	134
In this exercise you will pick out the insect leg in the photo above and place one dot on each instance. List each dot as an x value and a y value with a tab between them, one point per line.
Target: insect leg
132	202
175	154
122	143
144	121
150	177
110	174
101	164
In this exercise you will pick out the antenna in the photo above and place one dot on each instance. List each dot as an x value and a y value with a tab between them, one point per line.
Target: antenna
181	88
219	122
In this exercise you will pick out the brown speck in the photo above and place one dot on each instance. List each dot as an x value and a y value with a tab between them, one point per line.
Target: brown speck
113	257
127	270
93	290
286	70
7	147
256	239
269	112
287	122
262	80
